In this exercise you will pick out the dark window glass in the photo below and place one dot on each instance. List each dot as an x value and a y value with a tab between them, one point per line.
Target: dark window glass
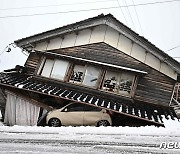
91	108
75	107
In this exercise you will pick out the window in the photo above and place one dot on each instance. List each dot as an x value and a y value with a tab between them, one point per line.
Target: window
76	107
59	69
91	108
55	68
111	81
91	76
77	74
120	83
85	74
46	71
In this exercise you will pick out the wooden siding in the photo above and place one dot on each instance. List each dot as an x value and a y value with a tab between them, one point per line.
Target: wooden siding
154	87
114	38
32	62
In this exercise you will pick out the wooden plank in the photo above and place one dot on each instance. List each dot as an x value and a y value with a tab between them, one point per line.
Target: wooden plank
151	101
153	84
159	96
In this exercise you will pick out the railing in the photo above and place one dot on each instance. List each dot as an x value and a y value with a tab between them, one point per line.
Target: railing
175	100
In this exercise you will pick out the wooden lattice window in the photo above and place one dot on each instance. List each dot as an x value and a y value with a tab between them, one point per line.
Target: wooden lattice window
118	82
87	75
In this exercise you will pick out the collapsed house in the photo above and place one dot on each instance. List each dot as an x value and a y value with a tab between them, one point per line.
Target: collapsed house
98	61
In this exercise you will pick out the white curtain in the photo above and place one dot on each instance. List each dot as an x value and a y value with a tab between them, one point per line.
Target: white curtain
20	111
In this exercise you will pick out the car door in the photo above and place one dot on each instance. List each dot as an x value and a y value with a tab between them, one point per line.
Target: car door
92	115
73	115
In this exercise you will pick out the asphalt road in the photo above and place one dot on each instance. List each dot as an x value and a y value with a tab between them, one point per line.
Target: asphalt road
29	142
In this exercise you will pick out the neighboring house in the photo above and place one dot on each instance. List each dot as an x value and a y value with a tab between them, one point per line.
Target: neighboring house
97	61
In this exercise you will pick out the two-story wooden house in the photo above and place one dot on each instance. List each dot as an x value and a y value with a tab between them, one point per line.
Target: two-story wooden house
98	61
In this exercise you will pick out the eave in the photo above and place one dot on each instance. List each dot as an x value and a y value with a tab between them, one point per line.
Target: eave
120	106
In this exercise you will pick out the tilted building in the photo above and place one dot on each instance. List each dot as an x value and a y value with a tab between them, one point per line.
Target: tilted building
98	61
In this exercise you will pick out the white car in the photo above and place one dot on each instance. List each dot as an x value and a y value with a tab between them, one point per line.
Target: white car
76	114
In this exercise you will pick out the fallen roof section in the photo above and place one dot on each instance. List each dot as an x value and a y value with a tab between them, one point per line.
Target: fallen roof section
150	113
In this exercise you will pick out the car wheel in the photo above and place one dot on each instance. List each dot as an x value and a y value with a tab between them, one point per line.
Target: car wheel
54	122
103	123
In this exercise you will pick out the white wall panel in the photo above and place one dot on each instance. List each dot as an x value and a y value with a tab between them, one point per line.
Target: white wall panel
54	43
83	37
98	34
124	44
152	61
167	70
69	40
138	52
112	37
42	46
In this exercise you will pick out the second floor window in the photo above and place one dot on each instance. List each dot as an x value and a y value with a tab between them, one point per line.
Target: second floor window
91	76
85	74
77	74
55	68
118	82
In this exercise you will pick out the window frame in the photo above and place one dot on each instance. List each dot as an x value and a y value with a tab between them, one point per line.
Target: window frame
85	68
133	85
100	80
43	62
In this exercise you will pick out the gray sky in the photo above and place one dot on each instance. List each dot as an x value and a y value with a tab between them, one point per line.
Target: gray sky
159	23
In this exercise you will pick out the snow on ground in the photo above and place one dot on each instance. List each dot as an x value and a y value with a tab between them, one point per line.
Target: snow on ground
172	127
27	139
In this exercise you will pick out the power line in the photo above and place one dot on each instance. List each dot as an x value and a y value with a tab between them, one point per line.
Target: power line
8	47
176	57
137	18
130	15
4	50
141	4
51	13
83	10
44	6
152	3
173	48
122	12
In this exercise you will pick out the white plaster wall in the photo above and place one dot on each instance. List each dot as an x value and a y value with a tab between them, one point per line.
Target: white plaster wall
152	61
69	40
112	37
167	70
124	44
98	34
54	43
138	52
42	46
83	37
